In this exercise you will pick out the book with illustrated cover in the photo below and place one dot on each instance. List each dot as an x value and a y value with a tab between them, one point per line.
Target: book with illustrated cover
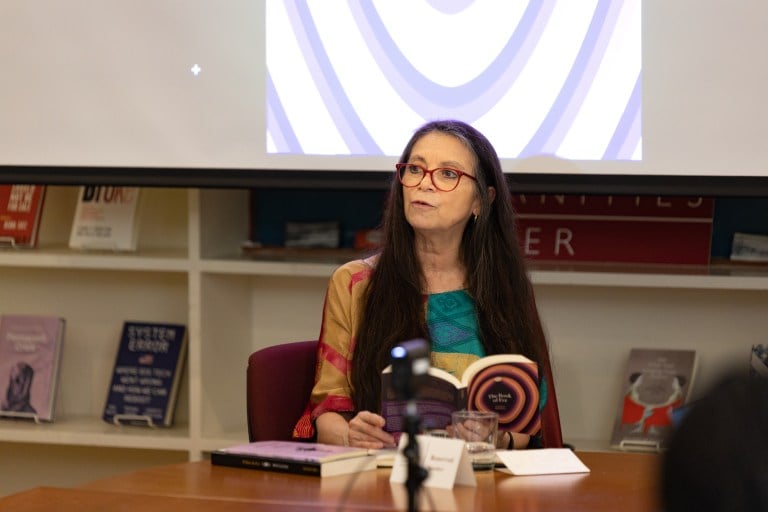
758	361
297	457
749	247
147	374
507	384
657	383
21	207
30	355
106	218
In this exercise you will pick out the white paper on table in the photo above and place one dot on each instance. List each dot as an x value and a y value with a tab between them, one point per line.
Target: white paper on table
545	461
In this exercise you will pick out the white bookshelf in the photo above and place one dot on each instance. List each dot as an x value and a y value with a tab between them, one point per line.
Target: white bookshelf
188	269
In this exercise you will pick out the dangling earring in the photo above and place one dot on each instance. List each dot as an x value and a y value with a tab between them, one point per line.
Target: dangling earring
475	219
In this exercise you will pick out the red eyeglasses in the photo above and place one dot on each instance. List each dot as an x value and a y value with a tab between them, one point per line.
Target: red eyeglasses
443	178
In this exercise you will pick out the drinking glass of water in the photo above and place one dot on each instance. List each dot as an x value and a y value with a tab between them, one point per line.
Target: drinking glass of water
478	429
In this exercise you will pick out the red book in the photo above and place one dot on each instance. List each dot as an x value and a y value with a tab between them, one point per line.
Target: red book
20	210
615	229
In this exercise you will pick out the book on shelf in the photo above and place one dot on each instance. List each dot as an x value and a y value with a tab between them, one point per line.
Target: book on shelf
106	218
147	374
507	384
21	208
657	384
30	356
749	247
315	459
312	234
758	360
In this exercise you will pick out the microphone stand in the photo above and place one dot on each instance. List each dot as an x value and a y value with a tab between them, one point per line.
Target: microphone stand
410	365
416	473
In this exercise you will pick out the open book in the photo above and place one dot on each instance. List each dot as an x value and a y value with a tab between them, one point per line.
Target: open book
507	384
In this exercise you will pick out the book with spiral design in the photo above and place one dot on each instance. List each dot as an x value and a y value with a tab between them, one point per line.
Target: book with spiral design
507	384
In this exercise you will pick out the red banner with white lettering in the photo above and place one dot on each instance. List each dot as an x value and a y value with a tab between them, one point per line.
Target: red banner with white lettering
615	229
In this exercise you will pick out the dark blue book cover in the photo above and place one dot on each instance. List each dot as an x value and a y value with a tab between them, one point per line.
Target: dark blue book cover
147	374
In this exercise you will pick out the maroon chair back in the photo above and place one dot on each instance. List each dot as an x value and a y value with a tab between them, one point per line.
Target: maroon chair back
279	381
552	435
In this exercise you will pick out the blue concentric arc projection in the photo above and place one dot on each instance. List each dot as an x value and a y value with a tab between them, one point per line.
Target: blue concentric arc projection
430	99
341	80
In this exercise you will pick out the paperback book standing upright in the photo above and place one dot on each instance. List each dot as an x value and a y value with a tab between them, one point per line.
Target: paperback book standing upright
657	384
21	207
30	355
106	218
758	361
147	374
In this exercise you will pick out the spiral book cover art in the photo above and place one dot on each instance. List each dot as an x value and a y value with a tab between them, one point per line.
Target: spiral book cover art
511	390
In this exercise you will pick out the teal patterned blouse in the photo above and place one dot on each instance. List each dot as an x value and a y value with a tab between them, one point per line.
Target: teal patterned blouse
452	325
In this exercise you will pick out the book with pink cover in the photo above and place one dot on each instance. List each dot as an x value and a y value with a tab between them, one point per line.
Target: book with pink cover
507	384
30	353
296	457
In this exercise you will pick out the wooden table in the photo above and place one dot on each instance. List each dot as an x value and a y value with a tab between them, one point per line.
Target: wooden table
55	499
618	481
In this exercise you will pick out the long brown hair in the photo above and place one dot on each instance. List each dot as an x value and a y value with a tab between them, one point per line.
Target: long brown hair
497	279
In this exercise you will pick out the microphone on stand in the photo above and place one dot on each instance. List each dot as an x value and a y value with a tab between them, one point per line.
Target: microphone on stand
410	367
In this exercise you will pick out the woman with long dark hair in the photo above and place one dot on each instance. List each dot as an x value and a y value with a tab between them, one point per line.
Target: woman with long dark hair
450	271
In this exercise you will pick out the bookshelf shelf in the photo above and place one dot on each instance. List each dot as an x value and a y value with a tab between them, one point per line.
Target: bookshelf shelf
268	268
89	431
153	260
708	278
189	269
720	276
